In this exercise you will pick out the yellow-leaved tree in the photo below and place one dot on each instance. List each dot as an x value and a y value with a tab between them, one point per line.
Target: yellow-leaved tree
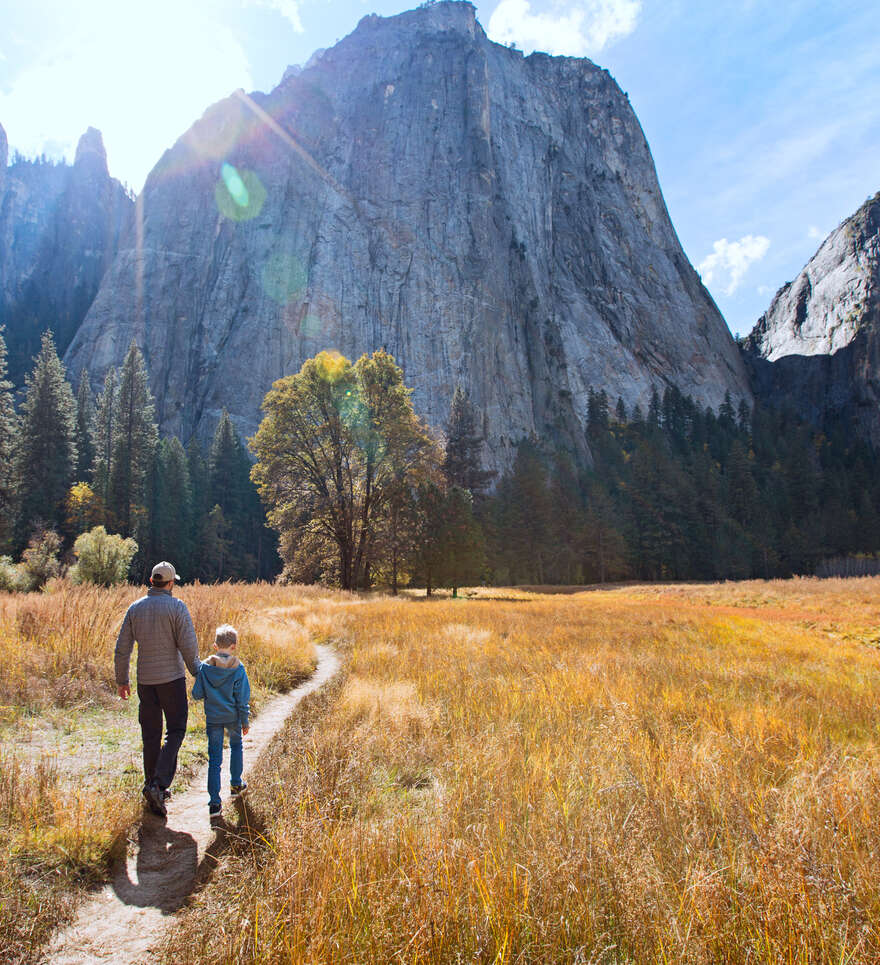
335	445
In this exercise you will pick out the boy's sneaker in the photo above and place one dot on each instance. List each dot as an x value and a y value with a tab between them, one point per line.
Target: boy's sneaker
214	810
236	789
155	798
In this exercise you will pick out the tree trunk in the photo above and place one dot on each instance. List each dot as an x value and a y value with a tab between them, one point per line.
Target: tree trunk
345	567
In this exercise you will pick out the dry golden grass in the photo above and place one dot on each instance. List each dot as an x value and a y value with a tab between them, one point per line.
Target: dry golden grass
662	774
70	759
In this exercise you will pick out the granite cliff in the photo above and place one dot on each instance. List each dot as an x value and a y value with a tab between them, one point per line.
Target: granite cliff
490	219
817	348
59	231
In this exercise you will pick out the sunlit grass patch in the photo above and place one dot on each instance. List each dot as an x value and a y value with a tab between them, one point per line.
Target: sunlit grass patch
637	775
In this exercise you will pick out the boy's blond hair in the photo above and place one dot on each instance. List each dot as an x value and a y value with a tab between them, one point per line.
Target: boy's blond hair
225	636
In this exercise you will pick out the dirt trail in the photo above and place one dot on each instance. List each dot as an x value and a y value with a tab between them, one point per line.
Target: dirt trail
128	918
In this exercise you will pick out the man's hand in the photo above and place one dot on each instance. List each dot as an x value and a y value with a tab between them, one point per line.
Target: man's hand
124	691
244	730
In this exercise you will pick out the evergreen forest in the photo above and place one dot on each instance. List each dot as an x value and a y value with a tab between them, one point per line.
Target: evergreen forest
69	463
674	493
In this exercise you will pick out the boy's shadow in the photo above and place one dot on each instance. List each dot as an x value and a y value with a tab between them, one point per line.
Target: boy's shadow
248	835
168	869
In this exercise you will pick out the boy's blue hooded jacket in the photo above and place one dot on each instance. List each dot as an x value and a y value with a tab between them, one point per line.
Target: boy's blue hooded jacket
223	684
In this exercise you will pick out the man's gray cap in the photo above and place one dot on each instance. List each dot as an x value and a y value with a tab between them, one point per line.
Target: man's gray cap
163	572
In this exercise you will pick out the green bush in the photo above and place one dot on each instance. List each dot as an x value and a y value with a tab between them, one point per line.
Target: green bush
102	557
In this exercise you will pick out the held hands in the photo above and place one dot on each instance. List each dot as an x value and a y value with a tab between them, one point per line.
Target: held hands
124	691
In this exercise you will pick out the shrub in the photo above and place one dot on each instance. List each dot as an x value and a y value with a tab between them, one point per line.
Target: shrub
102	557
40	560
12	578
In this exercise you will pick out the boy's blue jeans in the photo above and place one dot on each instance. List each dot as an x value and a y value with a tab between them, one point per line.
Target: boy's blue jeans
215	757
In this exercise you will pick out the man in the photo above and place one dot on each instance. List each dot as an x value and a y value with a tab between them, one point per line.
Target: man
166	640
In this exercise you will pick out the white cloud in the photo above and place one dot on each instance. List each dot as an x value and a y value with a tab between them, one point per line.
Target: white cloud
289	9
814	233
730	260
582	28
141	72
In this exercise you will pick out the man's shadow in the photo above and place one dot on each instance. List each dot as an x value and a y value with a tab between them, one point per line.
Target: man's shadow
168	870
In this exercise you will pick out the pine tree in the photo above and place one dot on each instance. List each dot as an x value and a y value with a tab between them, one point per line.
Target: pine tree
231	489
199	480
742	493
47	450
136	438
461	464
85	428
229	471
603	543
726	416
215	545
8	440
171	512
105	440
597	415
461	553
529	523
654	408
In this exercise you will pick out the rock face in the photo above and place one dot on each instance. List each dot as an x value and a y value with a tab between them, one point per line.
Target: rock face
59	231
817	348
4	157
491	220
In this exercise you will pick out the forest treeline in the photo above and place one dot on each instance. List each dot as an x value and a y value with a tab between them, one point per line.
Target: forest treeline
680	492
71	462
363	493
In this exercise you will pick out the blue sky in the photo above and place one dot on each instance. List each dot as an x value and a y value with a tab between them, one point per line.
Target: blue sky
763	118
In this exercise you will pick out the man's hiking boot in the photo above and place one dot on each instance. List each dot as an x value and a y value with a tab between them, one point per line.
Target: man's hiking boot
214	810
155	798
236	789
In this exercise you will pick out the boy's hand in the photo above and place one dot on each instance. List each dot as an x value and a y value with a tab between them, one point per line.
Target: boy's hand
124	691
244	730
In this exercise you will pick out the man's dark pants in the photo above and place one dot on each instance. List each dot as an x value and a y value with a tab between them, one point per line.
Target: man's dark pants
160	760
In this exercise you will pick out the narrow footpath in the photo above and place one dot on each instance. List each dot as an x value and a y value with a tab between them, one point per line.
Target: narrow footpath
126	921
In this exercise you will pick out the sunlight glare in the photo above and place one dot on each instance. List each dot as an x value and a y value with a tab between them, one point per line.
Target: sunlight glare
240	195
140	72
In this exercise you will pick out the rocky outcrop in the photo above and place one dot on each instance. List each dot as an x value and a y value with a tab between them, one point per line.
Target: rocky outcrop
4	158
59	231
490	219
817	348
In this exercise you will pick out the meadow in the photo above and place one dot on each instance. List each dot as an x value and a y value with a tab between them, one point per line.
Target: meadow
70	767
643	774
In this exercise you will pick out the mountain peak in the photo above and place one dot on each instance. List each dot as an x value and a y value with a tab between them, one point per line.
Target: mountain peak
816	347
497	223
91	148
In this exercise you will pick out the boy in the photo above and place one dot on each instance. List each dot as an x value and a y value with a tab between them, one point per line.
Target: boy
223	684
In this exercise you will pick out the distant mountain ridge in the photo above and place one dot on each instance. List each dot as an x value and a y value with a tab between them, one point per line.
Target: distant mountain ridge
817	348
490	219
60	227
